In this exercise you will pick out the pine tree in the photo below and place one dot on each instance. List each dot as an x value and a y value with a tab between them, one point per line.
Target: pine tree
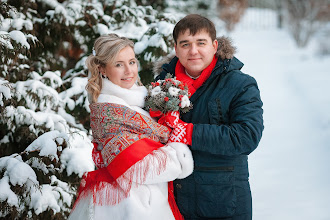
45	142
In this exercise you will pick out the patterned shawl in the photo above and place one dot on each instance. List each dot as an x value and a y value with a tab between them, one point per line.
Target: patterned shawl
127	137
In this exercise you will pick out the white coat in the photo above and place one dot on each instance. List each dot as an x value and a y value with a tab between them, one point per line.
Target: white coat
148	200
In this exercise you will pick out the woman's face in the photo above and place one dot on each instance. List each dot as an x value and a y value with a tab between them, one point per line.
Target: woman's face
124	71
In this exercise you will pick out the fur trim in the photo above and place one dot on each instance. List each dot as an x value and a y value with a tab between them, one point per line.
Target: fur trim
133	96
185	157
226	50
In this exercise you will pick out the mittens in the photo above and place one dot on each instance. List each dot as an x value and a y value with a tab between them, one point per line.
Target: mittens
182	133
172	119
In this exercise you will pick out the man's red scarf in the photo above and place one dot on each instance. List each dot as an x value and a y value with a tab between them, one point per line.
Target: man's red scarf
127	138
194	84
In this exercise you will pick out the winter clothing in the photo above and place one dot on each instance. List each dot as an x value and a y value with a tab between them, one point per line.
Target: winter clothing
192	84
228	124
182	133
134	182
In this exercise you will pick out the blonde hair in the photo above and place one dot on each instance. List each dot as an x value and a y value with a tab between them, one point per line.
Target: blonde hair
105	50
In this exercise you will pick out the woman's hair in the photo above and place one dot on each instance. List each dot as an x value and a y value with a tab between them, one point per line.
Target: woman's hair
105	50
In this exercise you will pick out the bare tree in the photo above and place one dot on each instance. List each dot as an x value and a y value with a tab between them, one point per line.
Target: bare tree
279	10
305	18
231	11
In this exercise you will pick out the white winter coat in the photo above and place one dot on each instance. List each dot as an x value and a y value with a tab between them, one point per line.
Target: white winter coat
147	200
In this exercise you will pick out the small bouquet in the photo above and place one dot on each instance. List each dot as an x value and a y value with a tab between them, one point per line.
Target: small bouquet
168	95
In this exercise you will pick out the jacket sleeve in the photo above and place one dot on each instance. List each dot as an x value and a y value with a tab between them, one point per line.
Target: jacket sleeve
244	130
178	164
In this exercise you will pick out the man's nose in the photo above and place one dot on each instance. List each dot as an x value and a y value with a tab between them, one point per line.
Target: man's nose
193	49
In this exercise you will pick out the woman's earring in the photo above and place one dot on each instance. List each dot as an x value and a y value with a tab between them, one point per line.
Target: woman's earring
104	76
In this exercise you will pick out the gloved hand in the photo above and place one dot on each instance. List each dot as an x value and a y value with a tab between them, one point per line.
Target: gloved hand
182	133
170	119
97	157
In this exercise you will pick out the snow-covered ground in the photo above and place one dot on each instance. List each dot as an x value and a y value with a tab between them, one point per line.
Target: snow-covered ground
289	171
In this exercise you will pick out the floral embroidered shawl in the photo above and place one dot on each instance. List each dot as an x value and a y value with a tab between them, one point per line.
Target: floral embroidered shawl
127	137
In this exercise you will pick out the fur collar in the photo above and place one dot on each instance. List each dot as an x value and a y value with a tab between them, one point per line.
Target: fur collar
225	51
115	94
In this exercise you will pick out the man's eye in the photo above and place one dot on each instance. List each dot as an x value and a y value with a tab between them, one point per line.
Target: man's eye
185	45
201	43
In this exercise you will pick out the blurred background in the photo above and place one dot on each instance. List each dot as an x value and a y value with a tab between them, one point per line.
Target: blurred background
45	137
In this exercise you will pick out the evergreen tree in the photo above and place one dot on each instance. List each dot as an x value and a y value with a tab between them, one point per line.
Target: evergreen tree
45	142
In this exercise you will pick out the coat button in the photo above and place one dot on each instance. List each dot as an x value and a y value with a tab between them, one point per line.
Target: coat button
178	186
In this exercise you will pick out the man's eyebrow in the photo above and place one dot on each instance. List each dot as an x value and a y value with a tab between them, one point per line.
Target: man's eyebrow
186	41
183	41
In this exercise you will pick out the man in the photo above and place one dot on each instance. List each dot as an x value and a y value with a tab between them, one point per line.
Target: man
224	126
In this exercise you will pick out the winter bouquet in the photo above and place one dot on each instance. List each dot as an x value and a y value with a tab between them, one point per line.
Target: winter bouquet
165	100
168	95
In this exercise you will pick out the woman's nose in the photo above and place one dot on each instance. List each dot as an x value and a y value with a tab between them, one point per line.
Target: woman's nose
128	69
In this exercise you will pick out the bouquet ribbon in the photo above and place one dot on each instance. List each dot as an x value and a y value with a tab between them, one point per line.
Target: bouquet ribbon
171	119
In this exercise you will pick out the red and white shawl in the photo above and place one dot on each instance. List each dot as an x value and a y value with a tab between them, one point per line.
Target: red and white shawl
127	137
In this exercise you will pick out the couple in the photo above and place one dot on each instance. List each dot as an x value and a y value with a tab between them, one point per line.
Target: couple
135	157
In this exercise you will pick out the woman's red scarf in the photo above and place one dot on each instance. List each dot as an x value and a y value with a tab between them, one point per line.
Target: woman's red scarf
194	84
127	138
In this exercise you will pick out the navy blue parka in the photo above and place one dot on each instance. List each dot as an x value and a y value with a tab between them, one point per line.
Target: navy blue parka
228	122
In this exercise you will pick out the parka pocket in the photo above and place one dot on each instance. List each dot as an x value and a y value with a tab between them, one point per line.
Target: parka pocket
215	112
215	192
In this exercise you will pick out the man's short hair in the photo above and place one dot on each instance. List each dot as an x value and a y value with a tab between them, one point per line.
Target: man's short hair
194	23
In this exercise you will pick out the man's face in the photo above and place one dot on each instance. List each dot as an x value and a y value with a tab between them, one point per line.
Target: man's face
195	52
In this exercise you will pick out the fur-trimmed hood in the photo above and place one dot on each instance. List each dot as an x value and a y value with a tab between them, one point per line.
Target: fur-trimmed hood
226	50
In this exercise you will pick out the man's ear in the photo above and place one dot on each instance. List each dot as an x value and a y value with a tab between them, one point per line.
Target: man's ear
215	45
175	47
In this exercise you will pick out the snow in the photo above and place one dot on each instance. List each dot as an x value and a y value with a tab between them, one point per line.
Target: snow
165	28
77	158
4	91
77	87
17	173
289	169
46	144
43	199
6	193
20	38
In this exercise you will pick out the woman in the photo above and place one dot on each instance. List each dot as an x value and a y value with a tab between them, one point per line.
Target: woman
134	162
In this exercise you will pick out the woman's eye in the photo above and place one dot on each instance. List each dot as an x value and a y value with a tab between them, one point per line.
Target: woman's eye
132	62
118	65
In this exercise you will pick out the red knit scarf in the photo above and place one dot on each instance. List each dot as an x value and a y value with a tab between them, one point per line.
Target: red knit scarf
192	84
